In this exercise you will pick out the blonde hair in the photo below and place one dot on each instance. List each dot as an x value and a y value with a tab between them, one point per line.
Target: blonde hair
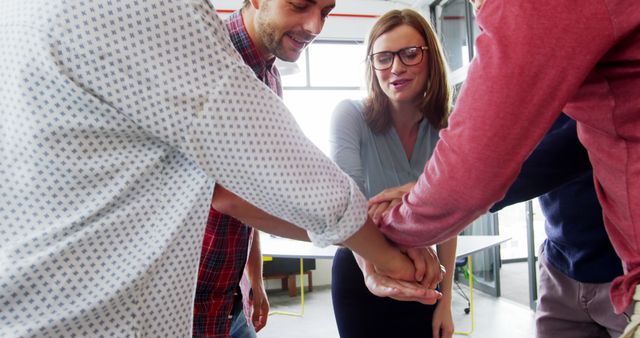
436	103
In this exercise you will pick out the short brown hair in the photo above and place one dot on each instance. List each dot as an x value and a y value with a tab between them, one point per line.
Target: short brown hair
246	3
436	103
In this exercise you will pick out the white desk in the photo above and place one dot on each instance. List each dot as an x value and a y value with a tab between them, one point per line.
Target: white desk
289	248
468	245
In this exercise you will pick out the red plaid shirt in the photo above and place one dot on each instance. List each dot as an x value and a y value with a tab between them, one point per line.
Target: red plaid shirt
226	239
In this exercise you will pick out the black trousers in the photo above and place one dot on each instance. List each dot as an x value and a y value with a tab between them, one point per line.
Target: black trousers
360	314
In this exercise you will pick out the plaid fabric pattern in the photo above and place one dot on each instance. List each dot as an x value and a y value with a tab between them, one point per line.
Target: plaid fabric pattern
222	261
265	70
227	240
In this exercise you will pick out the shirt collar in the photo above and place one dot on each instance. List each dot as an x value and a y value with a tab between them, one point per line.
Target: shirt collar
245	46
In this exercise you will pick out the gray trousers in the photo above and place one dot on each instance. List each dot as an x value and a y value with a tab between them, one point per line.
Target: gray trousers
568	308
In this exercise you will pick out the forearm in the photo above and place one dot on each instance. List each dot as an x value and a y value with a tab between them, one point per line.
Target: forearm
447	257
254	262
368	241
230	204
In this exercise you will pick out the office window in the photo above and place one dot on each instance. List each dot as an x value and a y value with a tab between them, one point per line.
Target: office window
513	223
337	64
313	109
327	73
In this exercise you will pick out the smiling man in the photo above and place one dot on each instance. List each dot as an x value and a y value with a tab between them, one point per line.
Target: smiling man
261	31
283	28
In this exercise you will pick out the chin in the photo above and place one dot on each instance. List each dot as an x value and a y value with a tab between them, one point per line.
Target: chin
289	56
401	97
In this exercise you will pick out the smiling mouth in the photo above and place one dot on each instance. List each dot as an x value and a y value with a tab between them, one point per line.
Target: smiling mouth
302	42
399	82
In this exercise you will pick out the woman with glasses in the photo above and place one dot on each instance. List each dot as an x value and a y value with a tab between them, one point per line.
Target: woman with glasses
384	141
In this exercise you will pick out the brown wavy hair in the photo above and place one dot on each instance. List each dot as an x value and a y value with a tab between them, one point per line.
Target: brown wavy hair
436	104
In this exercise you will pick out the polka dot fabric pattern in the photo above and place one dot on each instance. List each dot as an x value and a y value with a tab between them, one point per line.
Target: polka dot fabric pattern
117	118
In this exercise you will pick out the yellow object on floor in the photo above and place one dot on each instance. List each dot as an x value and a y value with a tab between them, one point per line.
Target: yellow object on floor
466	333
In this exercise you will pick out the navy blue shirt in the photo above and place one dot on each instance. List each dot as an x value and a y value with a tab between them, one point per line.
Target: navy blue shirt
559	169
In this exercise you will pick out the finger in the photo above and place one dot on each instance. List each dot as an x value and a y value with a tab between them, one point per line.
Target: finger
419	263
259	319
443	271
382	286
255	319
447	332
431	297
438	274
430	262
377	214
402	290
446	329
410	289
384	291
403	298
262	322
392	204
392	193
434	268
410	293
264	317
385	195
435	329
416	291
258	324
371	210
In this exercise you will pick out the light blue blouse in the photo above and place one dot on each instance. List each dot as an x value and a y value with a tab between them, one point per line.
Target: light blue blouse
376	161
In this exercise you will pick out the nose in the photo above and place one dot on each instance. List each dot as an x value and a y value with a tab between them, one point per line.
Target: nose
397	67
314	23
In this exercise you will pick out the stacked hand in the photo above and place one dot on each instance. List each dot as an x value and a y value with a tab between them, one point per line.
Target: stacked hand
428	271
382	203
428	274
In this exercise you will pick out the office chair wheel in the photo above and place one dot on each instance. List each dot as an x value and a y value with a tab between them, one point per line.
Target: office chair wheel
467	310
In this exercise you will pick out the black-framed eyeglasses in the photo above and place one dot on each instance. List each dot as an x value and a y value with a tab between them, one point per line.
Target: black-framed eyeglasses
409	56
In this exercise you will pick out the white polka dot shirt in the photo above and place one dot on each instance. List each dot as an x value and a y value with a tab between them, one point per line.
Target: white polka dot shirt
116	120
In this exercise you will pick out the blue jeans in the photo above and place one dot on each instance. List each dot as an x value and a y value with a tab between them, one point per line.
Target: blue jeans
239	326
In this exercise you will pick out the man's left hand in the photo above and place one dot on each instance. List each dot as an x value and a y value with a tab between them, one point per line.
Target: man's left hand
260	311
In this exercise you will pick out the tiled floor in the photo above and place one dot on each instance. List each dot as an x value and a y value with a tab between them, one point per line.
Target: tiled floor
514	279
494	317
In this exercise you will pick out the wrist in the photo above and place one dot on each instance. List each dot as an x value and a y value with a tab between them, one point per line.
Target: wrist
446	299
258	284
